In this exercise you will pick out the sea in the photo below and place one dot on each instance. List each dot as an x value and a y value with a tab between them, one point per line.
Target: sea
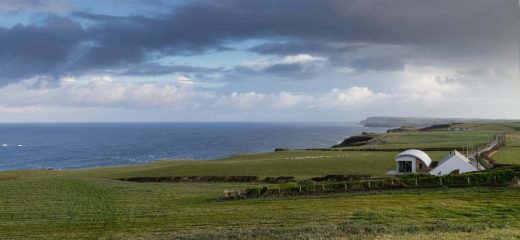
86	145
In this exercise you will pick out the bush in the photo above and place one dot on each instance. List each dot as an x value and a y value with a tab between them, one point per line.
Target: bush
497	177
337	178
282	179
193	179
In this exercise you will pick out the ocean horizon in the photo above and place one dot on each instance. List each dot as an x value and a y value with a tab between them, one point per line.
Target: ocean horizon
86	145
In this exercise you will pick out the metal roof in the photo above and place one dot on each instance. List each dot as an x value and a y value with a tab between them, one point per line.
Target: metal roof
417	154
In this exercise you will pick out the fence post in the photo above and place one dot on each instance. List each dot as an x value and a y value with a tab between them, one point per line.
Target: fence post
368	183
323	187
441	181
416	182
300	189
469	183
345	187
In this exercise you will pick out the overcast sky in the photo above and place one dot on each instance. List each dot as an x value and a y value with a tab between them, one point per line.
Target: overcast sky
265	60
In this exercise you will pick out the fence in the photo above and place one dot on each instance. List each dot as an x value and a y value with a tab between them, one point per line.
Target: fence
495	178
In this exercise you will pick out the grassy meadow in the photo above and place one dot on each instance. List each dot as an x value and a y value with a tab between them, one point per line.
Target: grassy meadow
91	204
432	139
298	163
510	154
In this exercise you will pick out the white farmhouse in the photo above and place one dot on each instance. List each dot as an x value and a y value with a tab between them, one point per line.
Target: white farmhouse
417	161
454	162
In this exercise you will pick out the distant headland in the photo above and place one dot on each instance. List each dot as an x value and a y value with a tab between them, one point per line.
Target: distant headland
381	121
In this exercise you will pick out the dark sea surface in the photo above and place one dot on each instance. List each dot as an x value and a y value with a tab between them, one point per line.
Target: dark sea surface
81	145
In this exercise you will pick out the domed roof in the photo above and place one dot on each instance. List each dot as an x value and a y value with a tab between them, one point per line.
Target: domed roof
417	154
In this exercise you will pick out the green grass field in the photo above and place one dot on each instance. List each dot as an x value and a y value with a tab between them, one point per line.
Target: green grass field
90	204
510	154
69	207
433	139
298	163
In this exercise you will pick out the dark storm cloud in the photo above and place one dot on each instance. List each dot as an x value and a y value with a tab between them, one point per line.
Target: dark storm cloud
38	49
17	5
467	26
380	63
285	68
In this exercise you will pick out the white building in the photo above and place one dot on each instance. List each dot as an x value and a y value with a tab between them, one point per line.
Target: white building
454	162
417	161
412	161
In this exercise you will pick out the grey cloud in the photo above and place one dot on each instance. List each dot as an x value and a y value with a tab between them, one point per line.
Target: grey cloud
41	5
333	28
288	70
31	50
195	27
379	63
285	69
156	69
297	47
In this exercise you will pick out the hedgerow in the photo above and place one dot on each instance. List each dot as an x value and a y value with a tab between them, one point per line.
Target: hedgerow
501	177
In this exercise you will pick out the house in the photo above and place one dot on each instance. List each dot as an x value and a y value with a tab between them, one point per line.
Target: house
412	161
417	161
455	162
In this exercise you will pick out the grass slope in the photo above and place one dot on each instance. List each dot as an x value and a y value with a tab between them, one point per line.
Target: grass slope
56	207
83	204
433	139
300	164
510	154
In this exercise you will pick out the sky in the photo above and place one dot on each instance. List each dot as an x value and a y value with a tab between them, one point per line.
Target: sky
257	60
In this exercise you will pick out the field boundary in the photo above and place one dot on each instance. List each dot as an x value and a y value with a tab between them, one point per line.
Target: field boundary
506	176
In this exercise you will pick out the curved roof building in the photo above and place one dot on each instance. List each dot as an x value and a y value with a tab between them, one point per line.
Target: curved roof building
413	160
416	154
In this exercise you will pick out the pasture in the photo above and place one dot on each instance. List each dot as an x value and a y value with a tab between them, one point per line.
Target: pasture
67	207
510	154
91	204
298	163
432	139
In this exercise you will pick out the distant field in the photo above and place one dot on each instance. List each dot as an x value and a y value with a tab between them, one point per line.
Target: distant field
89	204
434	139
511	152
300	164
509	126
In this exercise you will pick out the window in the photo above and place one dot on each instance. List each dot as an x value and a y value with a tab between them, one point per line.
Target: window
404	166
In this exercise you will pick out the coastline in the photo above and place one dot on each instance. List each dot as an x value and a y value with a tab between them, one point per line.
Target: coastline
92	145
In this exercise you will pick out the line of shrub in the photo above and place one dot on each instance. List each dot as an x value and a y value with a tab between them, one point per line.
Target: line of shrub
503	177
281	179
336	178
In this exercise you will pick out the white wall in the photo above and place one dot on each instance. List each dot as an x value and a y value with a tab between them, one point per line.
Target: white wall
451	165
406	158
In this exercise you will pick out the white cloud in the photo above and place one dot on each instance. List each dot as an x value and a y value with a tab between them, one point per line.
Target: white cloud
264	63
288	100
97	96
184	81
425	79
242	101
100	91
354	97
301	58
